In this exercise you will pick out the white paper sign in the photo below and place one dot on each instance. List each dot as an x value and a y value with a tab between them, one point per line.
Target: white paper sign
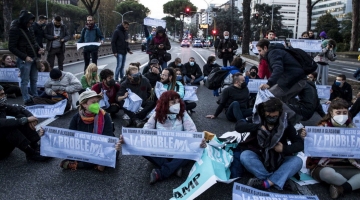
10	75
48	111
42	78
79	45
307	45
154	22
254	49
190	93
323	91
254	84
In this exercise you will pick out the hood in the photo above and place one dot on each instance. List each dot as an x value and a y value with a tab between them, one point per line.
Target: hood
276	46
25	17
160	29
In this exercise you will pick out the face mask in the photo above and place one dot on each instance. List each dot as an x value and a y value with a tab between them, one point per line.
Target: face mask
253	74
226	37
192	63
3	100
337	83
243	85
94	108
175	108
93	74
179	64
271	120
136	78
214	62
340	119
178	77
111	83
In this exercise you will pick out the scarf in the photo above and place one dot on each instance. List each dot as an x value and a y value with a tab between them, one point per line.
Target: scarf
98	120
159	40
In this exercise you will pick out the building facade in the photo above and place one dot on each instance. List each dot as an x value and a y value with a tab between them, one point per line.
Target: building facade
338	8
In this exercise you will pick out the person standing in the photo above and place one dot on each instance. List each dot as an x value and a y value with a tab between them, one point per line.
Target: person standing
90	33
38	28
159	45
227	47
56	34
120	47
23	45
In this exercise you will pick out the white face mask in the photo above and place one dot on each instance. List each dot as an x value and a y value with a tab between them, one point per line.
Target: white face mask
226	37
340	119
214	62
175	108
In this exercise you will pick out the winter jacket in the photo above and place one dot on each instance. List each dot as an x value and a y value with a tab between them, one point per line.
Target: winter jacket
15	111
326	55
344	92
264	70
286	71
226	44
179	88
49	35
143	90
119	41
39	33
91	34
192	70
18	44
153	78
110	92
156	41
172	123
85	84
207	68
181	67
68	83
76	123
229	79
231	94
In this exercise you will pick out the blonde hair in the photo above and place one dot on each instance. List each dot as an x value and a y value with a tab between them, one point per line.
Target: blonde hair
131	68
88	74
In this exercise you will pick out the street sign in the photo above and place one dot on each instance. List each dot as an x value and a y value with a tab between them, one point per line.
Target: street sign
203	26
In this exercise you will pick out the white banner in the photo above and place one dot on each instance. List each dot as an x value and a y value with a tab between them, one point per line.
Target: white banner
42	78
79	45
254	84
323	91
47	111
254	49
190	93
10	75
154	22
306	45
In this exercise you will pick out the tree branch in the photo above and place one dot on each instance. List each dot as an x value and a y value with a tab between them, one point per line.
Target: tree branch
312	5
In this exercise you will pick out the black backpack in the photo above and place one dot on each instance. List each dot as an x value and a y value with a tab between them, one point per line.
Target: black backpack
215	78
305	60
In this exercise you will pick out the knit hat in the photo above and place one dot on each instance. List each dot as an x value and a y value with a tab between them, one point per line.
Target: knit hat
88	94
323	34
254	67
55	73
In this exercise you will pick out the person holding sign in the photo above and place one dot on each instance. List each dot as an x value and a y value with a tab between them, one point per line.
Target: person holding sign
267	154
327	54
158	47
18	132
90	118
343	175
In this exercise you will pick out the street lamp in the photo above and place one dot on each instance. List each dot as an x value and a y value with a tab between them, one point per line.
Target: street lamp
122	15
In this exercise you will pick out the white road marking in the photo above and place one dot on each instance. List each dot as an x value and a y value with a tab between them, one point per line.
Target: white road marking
101	67
202	58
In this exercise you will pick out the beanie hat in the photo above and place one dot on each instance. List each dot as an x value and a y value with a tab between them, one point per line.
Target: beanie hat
254	67
55	73
323	34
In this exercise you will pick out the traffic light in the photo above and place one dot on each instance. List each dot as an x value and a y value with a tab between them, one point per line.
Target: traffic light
187	10
214	32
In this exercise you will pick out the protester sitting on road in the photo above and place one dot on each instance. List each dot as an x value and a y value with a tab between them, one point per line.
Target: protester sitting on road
90	118
252	74
169	115
343	175
109	85
193	73
61	85
341	89
45	66
313	77
177	65
209	66
234	99
18	132
153	75
267	154
140	86
327	54
159	45
90	77
12	90
179	76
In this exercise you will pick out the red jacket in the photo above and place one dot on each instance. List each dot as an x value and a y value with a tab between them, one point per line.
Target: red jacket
264	70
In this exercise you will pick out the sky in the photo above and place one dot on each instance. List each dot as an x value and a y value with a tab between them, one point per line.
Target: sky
156	7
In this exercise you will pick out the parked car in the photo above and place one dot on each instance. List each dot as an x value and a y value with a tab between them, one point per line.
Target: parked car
185	43
143	45
207	43
197	43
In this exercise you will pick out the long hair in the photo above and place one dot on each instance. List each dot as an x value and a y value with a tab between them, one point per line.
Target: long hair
88	74
210	60
335	104
238	62
46	65
172	73
162	106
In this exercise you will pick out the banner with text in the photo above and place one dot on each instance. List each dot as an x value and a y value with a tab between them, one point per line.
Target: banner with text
332	142
154	22
80	146
48	111
162	143
244	192
254	49
356	120
42	78
306	45
323	91
10	75
213	167
254	84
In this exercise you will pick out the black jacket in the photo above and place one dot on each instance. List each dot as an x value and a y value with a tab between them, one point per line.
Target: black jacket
154	45
208	67
192	70
153	78
39	33
15	111
344	92
143	90
77	124
181	67
226	44
119	40
285	70
231	94
49	35
18	44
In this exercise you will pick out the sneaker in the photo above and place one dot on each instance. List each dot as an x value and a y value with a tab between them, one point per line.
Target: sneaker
68	164
139	123
126	120
335	191
36	157
256	183
154	176
179	172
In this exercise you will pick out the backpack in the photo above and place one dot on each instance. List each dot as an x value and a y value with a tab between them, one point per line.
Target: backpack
215	78
304	59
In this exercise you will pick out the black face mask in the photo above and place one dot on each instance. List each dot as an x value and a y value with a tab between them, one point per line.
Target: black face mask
135	78
110	83
252	74
243	85
271	120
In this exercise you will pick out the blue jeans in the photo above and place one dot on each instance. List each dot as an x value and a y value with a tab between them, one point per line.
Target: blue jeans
120	63
167	165
188	80
236	168
253	164
28	73
235	113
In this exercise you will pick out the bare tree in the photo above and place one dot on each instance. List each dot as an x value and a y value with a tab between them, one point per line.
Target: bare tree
7	17
246	26
309	8
354	43
91	6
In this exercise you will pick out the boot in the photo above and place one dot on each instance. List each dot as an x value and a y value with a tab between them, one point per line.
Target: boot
33	155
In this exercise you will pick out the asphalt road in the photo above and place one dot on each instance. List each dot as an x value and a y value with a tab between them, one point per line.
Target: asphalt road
20	179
